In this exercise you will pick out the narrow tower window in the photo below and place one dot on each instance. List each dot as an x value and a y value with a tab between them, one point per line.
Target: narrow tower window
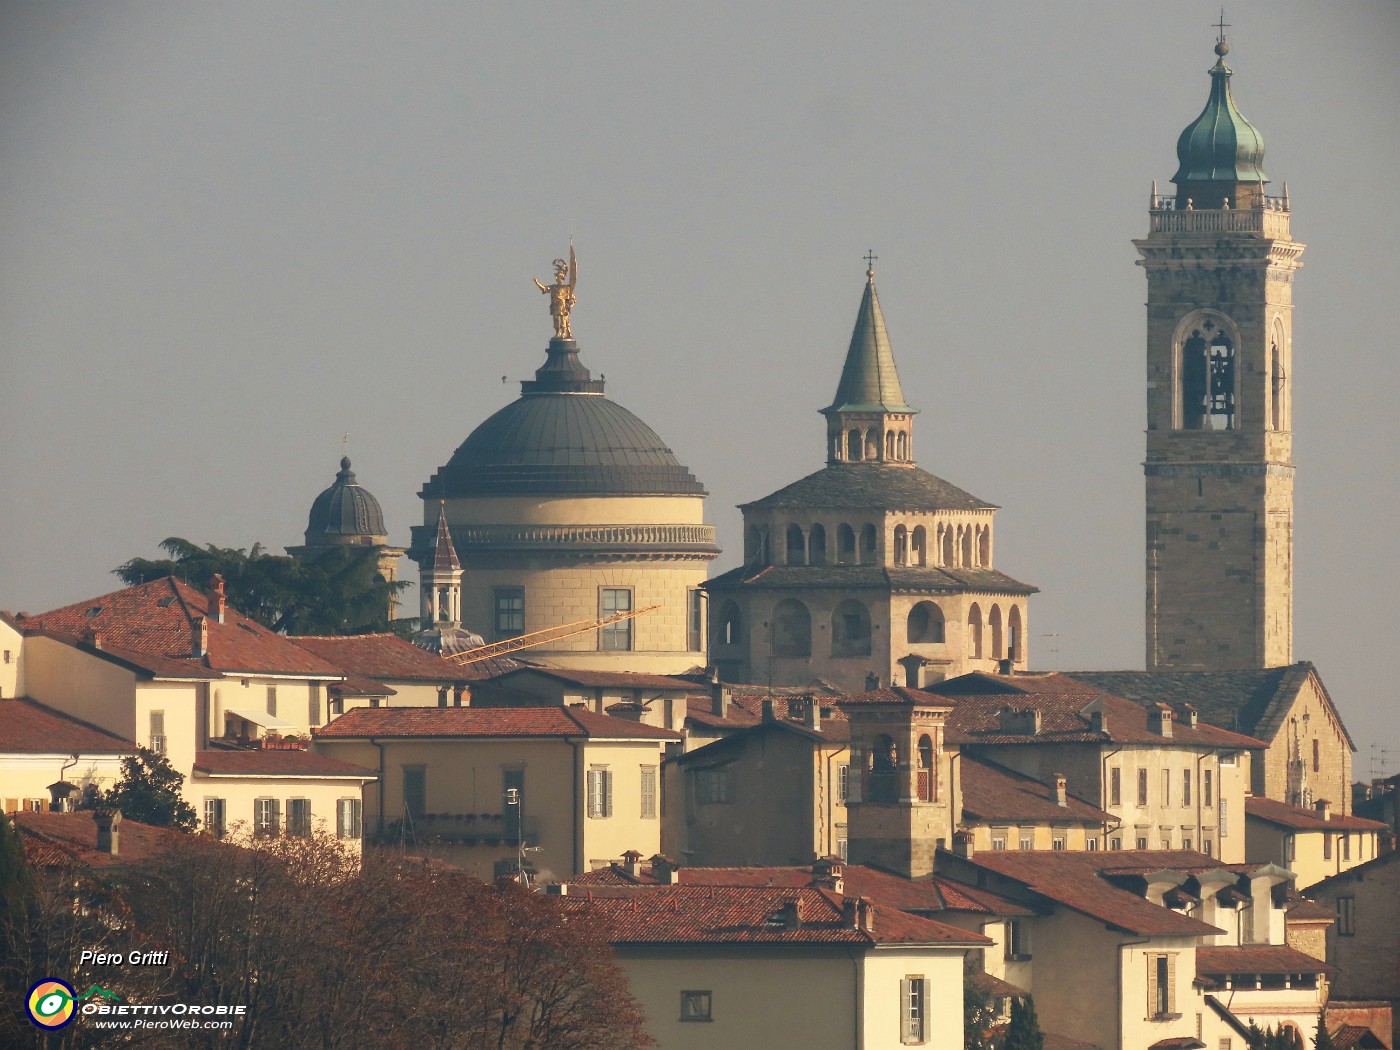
816	546
796	546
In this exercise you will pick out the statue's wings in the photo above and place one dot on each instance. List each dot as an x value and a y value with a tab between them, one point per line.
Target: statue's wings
573	267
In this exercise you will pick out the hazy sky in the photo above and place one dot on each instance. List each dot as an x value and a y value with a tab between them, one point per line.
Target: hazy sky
231	233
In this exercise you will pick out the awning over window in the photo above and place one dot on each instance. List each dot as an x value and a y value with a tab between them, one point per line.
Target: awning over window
259	718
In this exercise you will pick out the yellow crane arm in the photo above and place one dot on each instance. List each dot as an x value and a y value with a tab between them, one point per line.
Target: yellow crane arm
549	634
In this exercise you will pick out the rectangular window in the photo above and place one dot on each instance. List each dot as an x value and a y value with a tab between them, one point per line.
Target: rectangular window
1225	1044
1018	940
1346	846
648	792
1224	818
347	818
1317	755
214	817
313	705
843	783
599	793
999	843
843	845
510	611
1161	986
1115	786
1208	788
1115	843
1026	842
615	637
696	1006
1186	787
1187	842
1142	787
337	706
415	790
1326	846
1346	916
914	999
272	700
1091	842
714	785
158	732
694	621
299	817
1166	840
1142	842
1166	787
1058	842
1208	847
267	817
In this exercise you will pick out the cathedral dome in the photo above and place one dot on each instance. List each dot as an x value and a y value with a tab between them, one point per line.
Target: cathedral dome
345	512
1220	145
563	437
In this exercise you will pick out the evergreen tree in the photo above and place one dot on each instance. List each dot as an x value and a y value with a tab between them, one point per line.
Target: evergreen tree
979	1010
149	792
1323	1039
1023	1033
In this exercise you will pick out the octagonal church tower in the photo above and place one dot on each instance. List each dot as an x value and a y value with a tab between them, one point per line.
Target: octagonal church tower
871	570
564	507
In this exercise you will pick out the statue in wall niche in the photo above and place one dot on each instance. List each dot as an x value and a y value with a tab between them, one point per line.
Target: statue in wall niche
561	294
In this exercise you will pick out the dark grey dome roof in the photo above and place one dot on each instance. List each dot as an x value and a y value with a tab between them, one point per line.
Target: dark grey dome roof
344	509
563	436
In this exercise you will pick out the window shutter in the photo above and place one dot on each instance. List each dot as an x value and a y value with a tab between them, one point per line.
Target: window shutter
607	792
276	805
905	996
1171	984
1151	985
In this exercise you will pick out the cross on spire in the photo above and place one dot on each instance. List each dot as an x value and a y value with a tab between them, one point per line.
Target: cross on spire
870	258
1222	25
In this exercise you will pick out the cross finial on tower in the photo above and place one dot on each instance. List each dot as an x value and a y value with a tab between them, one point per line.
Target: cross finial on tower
870	258
1222	25
345	443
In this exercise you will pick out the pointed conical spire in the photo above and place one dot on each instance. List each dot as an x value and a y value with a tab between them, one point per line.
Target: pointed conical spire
869	380
444	553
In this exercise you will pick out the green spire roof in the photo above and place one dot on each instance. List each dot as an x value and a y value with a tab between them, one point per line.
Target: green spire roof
869	381
1220	145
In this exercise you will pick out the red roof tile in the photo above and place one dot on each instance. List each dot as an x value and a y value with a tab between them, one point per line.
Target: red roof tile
896	694
27	727
1073	879
1284	815
155	619
750	915
992	792
1257	958
275	763
485	722
74	835
1304	910
934	894
607	679
382	656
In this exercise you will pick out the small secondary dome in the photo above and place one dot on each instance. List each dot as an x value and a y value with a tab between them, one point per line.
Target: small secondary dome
345	510
563	436
1220	145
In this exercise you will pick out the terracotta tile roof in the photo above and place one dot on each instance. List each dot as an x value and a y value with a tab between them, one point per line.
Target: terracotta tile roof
1073	879
992	792
276	763
28	727
897	694
995	986
1257	958
381	656
1178	1042
606	679
700	710
879	578
1304	910
923	896
1349	1036
144	664
485	722
746	915
155	619
360	685
73	837
979	698
1284	815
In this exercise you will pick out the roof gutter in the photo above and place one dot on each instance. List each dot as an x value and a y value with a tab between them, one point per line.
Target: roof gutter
379	818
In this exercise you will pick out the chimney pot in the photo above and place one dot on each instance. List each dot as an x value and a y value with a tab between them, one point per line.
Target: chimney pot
770	710
108	822
789	916
1190	715
664	870
720	695
1061	792
962	844
872	682
216	598
1323	808
199	636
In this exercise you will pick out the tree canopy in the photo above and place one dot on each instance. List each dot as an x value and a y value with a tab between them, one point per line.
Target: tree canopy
149	792
1023	1031
336	591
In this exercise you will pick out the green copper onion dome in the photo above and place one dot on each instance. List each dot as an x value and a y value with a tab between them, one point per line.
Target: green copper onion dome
1220	145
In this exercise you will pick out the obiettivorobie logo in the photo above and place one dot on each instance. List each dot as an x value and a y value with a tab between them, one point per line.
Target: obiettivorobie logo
52	1003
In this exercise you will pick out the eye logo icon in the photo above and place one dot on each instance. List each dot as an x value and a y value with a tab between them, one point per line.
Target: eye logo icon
51	1003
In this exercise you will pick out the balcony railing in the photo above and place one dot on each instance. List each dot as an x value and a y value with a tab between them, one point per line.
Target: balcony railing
1269	218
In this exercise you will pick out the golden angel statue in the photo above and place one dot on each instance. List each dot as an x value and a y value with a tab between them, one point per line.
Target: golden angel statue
561	295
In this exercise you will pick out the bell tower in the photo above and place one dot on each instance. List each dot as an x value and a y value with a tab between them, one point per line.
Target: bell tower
1219	470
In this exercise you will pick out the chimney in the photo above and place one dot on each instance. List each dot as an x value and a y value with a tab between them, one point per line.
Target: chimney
199	636
849	917
770	710
812	713
828	874
787	914
1023	721
107	821
872	682
92	638
1189	715
1098	721
865	914
632	863
1060	790
557	889
962	844
720	695
61	796
216	598
1004	666
665	871
913	670
1159	720
1323	808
